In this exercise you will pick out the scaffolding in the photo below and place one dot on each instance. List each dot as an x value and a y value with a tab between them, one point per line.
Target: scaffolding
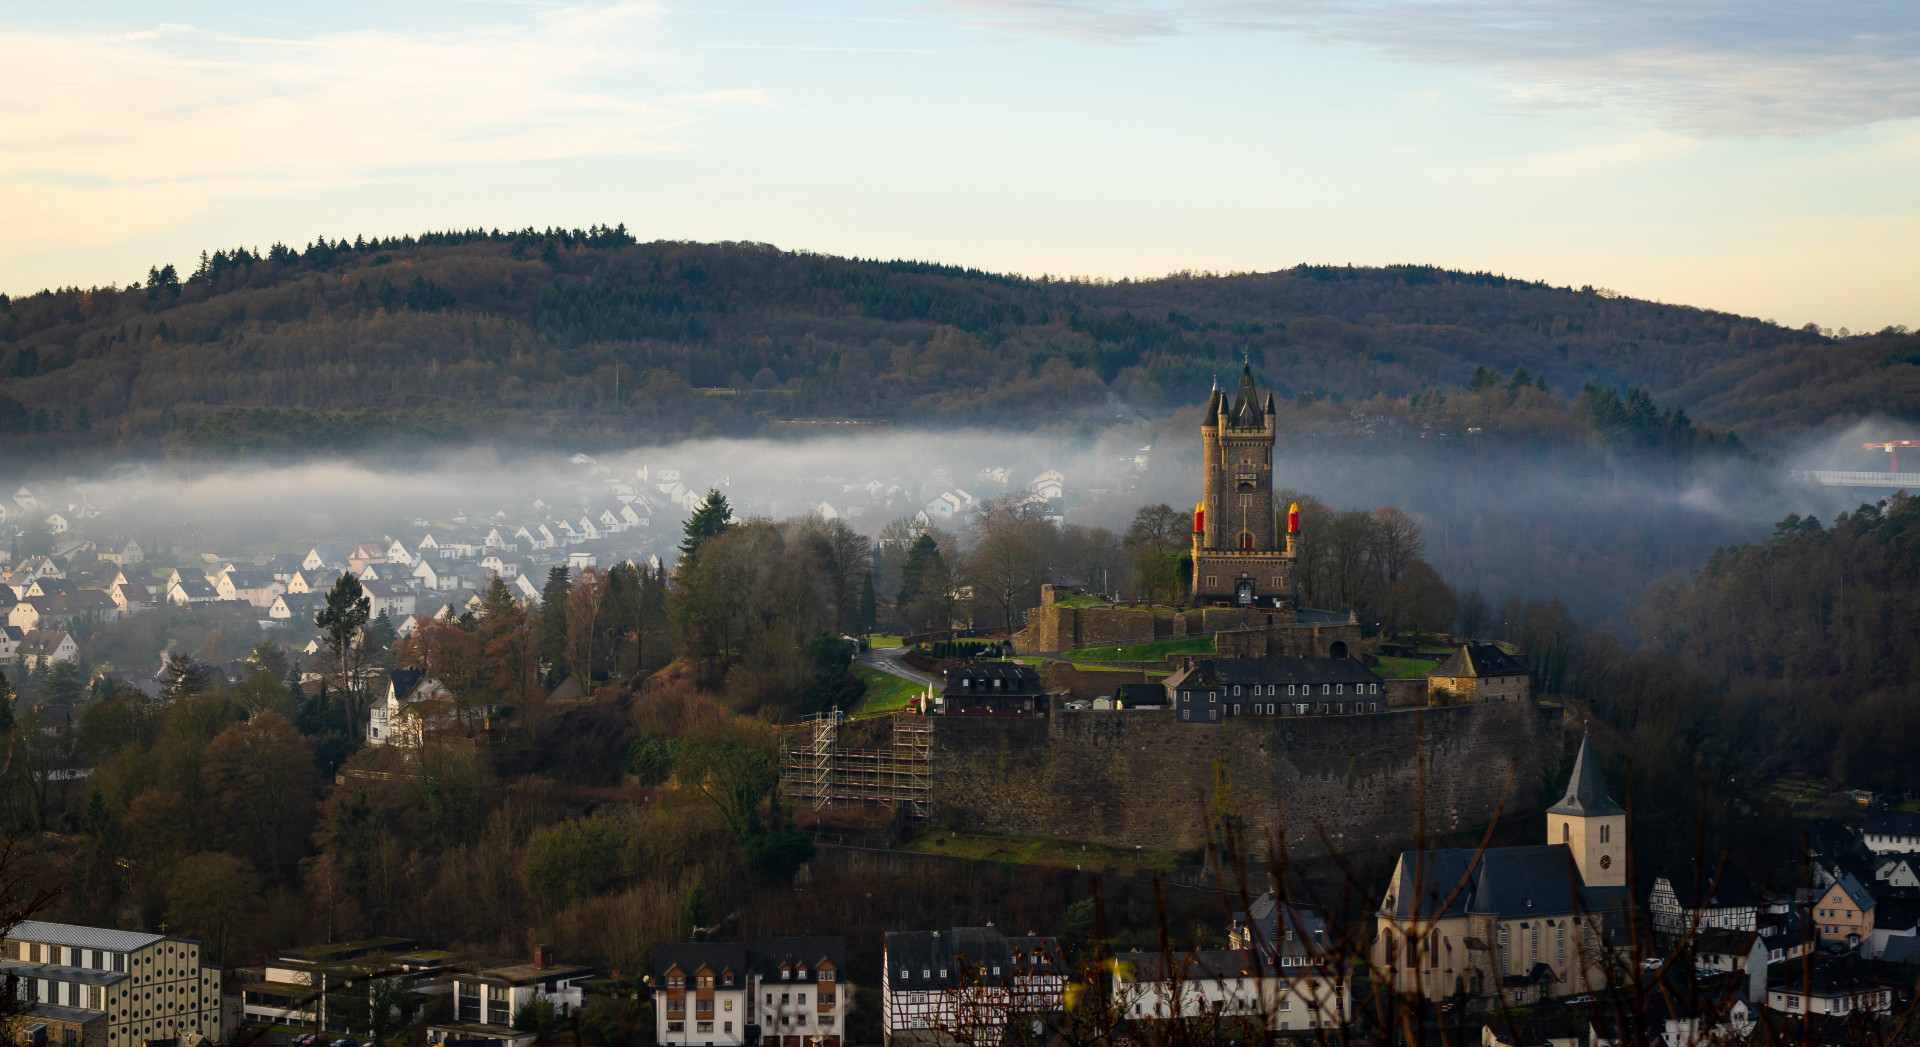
814	767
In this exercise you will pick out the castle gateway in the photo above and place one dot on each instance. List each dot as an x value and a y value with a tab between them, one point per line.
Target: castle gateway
1238	553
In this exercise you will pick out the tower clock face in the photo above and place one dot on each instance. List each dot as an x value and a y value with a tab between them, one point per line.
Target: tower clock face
1606	861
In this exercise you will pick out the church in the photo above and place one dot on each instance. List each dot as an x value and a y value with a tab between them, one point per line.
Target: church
1525	923
1239	556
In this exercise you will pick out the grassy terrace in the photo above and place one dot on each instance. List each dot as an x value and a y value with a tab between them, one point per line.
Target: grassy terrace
880	640
1404	668
885	691
1144	652
1034	850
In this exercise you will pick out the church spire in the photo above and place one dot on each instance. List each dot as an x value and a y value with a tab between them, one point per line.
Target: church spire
1586	793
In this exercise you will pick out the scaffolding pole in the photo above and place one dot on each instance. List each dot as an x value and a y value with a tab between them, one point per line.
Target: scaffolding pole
814	765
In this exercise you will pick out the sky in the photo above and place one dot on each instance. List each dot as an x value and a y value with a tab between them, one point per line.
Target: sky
1757	156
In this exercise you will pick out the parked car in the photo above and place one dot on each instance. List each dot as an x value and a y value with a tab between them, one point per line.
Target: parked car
1582	998
345	1041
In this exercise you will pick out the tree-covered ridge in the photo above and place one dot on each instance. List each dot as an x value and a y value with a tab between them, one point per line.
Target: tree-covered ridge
588	336
1813	633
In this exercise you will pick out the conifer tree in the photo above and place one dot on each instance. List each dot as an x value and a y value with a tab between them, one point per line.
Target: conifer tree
712	518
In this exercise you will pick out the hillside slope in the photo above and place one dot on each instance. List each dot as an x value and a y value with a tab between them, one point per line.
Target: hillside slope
590	338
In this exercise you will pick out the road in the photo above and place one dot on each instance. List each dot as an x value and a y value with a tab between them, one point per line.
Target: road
887	660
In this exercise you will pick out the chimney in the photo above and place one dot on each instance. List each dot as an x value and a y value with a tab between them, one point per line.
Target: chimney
542	957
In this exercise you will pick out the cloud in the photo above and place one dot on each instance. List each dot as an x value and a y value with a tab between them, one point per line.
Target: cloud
180	114
1709	68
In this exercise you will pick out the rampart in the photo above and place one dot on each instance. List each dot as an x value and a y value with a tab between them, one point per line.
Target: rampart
1239	632
1137	777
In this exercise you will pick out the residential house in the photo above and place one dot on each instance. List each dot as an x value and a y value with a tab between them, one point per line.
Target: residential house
1892	831
1479	672
426	575
83	985
26	498
304	581
1522	923
506	569
255	585
1299	990
701	992
577	561
64	611
124	552
1051	485
394	601
367	573
636	513
323	557
484	1002
415	704
965	985
187	592
43	647
57	524
397	553
1152	987
1832	988
610	522
1689	896
362	555
982	688
1844	911
1744	953
1209	690
524	588
11	636
1896	869
301	608
133	597
799	994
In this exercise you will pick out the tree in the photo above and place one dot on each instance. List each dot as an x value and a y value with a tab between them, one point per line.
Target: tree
583	623
1158	538
214	897
183	677
347	612
1420	600
64	684
734	770
712	518
553	621
259	781
1006	568
926	586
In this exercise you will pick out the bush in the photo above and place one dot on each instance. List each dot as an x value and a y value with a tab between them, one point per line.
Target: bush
779	855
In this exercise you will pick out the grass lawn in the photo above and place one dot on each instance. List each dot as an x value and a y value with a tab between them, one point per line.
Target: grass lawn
1032	850
1404	668
885	691
1145	652
879	640
1081	601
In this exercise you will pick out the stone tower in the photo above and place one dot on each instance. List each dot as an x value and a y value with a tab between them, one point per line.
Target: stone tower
1591	824
1238	557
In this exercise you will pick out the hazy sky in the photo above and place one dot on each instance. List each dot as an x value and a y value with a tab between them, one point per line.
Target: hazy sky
1759	156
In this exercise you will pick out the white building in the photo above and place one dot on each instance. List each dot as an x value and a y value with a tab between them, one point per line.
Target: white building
485	1002
415	704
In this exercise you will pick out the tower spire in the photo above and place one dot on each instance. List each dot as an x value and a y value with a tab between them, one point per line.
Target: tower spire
1586	791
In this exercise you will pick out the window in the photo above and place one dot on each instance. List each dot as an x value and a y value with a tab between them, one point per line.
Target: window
1236	690
676	1026
702	1026
1606	833
1533	945
825	976
496	994
1213	714
802	972
1325	689
786	973
803	999
1186	714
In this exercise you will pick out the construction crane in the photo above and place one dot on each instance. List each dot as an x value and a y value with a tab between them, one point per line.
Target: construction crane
1892	447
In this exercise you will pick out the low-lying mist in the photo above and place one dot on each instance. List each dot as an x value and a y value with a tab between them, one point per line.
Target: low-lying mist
1511	519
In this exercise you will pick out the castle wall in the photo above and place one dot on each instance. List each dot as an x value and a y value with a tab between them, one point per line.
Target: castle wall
1290	641
1137	776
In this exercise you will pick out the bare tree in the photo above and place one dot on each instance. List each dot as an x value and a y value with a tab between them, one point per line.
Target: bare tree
1006	568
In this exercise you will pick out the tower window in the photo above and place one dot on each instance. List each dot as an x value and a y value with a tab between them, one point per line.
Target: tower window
1566	832
1606	833
1246	500
1246	539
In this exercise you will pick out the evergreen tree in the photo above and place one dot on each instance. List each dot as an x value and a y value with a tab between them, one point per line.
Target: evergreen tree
553	620
869	612
713	517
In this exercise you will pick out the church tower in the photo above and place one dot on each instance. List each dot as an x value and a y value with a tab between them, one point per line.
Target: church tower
1238	556
1591	824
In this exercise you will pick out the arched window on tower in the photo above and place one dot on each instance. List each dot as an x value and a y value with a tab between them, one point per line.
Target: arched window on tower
1246	539
1566	832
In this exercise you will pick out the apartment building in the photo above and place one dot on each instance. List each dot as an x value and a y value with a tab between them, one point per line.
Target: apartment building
97	987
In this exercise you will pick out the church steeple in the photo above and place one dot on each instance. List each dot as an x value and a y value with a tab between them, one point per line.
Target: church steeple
1590	824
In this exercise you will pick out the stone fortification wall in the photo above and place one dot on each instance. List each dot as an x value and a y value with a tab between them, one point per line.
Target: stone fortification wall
1137	776
1052	627
1287	641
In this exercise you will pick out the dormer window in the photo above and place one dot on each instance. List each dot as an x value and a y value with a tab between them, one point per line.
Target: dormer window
727	979
802	972
786	973
825	975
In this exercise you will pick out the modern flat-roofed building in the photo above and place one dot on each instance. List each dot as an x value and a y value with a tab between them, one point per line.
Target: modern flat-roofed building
97	987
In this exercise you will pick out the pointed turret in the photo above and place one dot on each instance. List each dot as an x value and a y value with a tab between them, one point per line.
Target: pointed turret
1270	410
1586	793
1213	403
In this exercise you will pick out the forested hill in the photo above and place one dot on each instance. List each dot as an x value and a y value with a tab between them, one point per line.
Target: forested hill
588	337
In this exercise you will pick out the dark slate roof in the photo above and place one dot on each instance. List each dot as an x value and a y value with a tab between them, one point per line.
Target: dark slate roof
1586	791
691	956
1508	882
1720	941
1309	930
1855	893
770	954
1725	886
923	956
1480	660
404	681
1902	948
1215	672
977	677
1246	402
1893	823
